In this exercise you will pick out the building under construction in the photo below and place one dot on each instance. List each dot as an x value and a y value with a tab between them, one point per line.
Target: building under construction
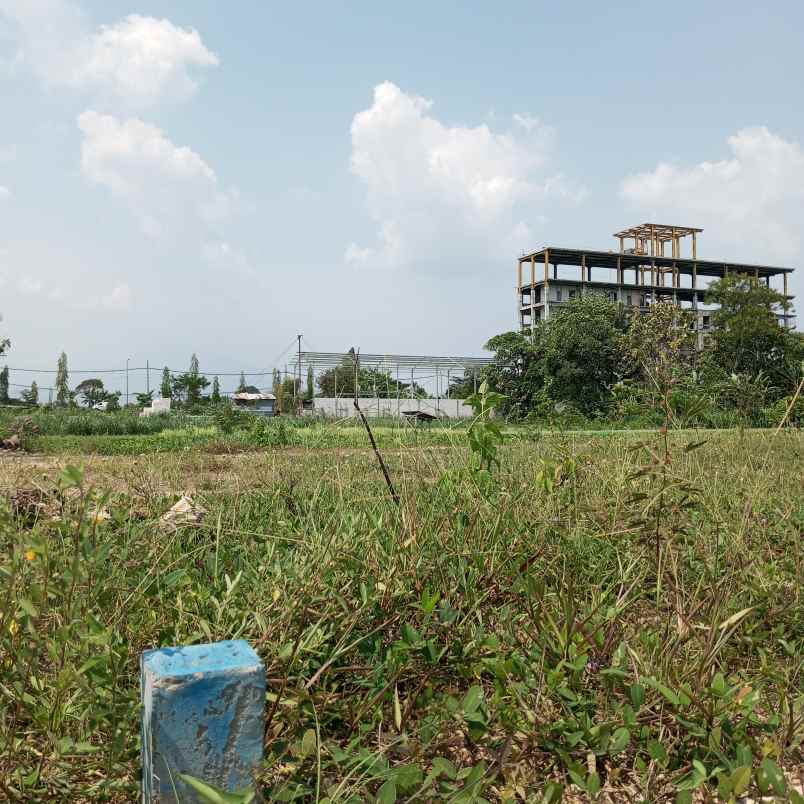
649	266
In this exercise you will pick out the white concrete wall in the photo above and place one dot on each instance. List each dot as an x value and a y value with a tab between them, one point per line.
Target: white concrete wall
344	407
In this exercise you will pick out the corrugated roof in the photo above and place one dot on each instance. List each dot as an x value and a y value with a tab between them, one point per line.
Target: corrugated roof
244	396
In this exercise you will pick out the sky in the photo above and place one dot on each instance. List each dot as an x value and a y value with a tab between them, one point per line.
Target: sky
192	176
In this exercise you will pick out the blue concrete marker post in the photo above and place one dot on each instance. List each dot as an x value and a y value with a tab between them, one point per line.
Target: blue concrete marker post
203	714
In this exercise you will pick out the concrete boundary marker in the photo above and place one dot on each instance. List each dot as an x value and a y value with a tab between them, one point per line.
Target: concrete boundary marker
203	714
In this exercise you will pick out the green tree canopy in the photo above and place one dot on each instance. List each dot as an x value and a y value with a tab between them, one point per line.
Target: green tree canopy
747	336
189	385
4	385
517	371
92	391
215	396
581	348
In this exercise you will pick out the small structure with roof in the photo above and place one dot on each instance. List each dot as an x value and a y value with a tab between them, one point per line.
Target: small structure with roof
260	403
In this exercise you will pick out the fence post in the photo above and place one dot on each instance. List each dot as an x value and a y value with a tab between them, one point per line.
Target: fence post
203	714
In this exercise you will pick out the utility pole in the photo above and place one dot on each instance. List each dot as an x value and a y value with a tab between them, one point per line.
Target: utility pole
127	359
148	376
300	403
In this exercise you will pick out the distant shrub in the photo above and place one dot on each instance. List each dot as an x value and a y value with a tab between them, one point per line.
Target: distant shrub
73	422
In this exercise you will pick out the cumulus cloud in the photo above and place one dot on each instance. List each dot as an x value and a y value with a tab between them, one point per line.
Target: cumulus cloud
751	202
168	187
452	190
138	61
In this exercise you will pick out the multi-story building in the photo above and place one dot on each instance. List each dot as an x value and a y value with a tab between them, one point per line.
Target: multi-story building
638	274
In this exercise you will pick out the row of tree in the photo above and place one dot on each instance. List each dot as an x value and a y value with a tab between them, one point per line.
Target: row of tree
592	354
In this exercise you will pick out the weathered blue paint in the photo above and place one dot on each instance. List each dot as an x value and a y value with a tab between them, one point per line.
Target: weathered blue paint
203	713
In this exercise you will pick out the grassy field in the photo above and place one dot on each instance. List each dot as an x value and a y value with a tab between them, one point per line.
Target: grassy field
611	617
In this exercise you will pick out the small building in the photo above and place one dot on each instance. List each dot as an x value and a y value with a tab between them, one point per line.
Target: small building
259	403
157	406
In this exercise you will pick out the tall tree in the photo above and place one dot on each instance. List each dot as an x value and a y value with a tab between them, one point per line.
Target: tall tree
62	377
166	388
581	349
241	386
659	351
192	383
310	388
747	336
517	371
215	396
4	385
31	396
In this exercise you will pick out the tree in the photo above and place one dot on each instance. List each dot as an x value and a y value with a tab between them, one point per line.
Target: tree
112	401
62	387
464	385
166	388
747	337
581	349
92	390
144	399
310	389
188	387
340	381
658	352
241	386
516	372
31	396
215	397
191	383
4	385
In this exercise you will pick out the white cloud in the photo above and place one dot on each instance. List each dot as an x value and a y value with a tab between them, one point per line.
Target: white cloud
750	203
138	61
117	300
5	193
453	191
169	187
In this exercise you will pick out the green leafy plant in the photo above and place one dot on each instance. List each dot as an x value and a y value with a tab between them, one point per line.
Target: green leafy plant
484	433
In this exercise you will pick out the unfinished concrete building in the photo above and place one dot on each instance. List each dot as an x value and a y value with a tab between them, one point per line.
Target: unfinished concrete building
649	266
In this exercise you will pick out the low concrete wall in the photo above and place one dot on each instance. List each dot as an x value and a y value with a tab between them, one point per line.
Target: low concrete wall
342	407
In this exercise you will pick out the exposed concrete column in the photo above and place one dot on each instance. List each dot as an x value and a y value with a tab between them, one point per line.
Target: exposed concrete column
533	294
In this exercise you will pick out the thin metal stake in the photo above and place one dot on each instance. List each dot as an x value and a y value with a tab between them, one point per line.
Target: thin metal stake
391	489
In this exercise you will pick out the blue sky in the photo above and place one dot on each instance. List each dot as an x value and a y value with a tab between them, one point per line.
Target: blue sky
216	177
